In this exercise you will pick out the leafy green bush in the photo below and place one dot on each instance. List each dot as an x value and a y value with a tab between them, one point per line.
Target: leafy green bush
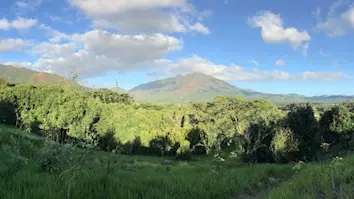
284	145
55	158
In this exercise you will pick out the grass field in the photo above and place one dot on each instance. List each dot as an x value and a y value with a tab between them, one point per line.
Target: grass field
31	167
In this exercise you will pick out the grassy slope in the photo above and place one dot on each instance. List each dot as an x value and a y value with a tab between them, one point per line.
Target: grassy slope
93	174
22	75
128	176
324	180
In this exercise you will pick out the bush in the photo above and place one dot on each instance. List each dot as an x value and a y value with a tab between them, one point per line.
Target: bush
257	143
284	145
8	113
55	157
185	156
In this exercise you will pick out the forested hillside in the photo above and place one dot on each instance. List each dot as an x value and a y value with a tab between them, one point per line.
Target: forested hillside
259	130
89	140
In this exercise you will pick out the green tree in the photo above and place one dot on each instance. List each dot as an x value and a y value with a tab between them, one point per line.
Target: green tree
302	122
337	126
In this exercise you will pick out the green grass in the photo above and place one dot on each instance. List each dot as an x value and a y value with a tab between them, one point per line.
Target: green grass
106	175
333	179
31	167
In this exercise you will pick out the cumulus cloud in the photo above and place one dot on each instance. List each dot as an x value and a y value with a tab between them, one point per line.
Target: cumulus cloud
137	16
273	30
239	73
22	23
333	27
55	35
19	64
349	16
4	24
280	62
98	52
13	45
19	23
323	76
337	23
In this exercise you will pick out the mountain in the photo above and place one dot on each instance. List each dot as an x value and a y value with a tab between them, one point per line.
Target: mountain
191	87
18	75
197	87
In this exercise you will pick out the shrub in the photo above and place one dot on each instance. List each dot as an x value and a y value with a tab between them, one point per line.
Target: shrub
284	145
185	156
55	157
257	141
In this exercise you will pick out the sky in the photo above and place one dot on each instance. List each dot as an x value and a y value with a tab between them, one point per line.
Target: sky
273	46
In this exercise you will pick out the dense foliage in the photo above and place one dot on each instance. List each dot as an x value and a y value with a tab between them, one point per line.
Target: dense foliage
255	131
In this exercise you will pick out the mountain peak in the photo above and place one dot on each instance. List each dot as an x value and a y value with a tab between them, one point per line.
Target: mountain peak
189	87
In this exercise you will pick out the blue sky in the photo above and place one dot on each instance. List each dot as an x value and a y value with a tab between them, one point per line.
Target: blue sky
274	46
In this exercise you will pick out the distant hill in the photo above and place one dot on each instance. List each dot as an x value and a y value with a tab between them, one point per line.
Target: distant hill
18	75
198	87
191	87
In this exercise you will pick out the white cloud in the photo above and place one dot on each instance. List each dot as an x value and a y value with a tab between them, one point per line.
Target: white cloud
239	73
317	14
19	64
13	45
22	4
55	35
29	4
143	16
273	30
59	19
323	76
280	62
335	6
337	24
23	24
19	23
305	49
4	24
96	7
254	62
98	52
349	16
49	50
204	14
198	27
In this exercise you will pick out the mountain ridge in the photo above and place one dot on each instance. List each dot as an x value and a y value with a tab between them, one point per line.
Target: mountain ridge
192	87
18	75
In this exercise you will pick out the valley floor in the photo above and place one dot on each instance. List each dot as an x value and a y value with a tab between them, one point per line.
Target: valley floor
31	167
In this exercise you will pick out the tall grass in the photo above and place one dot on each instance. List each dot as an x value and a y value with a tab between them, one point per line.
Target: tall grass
105	175
31	167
